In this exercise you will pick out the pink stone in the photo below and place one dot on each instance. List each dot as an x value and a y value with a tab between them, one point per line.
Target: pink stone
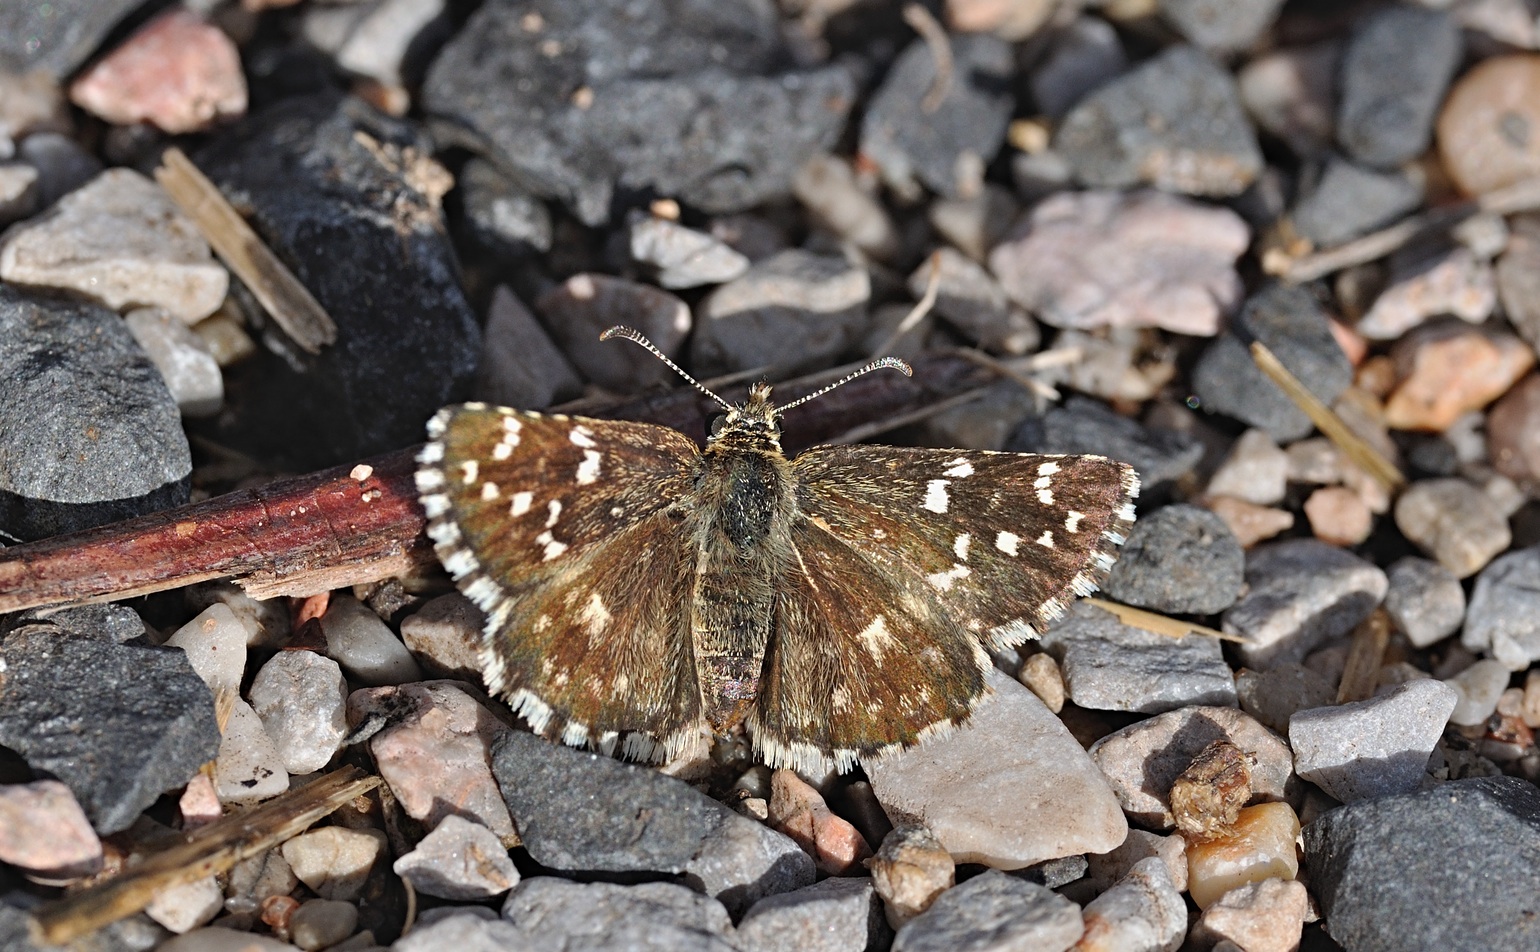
199	804
1338	515
1449	370
798	810
44	831
178	72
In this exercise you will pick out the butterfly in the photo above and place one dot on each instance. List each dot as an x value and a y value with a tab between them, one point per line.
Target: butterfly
643	593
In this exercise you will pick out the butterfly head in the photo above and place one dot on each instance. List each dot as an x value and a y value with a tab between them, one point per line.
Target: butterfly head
756	425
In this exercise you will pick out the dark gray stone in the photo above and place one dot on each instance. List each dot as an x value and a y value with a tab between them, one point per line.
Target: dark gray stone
373	251
1503	620
555	915
835	915
1080	57
520	365
993	912
119	724
1291	323
614	98
1110	666
583	812
1179	559
584	306
503	219
1301	594
1054	873
909	143
89	433
1222	26
103	621
1452	867
57	37
137	933
1351	200
1084	425
1175	122
970	299
62	164
1397	66
1425	600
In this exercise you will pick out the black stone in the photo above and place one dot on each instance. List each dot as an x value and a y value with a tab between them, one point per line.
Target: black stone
89	434
1397	66
118	724
371	248
1084	425
1179	559
1453	867
1351	200
57	37
1291	323
909	143
694	99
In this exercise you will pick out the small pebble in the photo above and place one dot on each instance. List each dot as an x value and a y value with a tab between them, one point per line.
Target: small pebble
1477	127
976	220
1302	594
368	651
501	216
1503	619
45	833
836	198
1208	796
375	40
584	306
1014	21
1143	760
249	768
799	811
1452	370
1041	673
1425	600
1256	471
1513	432
301	697
215	643
1477	690
459	860
63	165
333	861
993	911
971	300
1082	55
256	878
1338	516
1105	869
119	240
1373	748
1387	101
186	906
1349	201
319	923
520	365
1261	848
444	635
1274	695
1531	706
1427	286
1290	92
683	257
910	870
1111	259
1248	522
177	72
1143	912
224	337
1266	916
18	191
183	359
829	916
1454	522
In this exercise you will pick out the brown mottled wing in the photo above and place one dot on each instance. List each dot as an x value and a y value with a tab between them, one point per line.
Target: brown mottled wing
557	527
958	551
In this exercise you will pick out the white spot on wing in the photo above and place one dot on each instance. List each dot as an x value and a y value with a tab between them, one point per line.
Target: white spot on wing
488	491
876	637
960	469
935	496
521	503
552	548
469	471
1006	542
942	581
1072	521
960	546
594	616
1045	496
582	436
553	513
588	470
1048	468
1046	540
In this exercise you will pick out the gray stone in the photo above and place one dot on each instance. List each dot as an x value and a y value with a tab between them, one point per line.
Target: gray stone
1302	593
1143	912
301	698
1477	690
445	637
930	145
584	812
1425	600
970	299
249	768
1372	748
1453	521
63	164
794	310
1110	666
1292	324
843	204
520	365
993	913
377	40
585	305
1223	26
1179	559
18	191
1106	869
1083	425
1274	695
1503	619
459	860
57	38
1389	99
119	724
1081	56
831	916
1255	471
319	923
1447	866
554	915
1141	761
501	216
364	646
683	257
90	432
468	932
102	621
1349	201
183	359
1174	122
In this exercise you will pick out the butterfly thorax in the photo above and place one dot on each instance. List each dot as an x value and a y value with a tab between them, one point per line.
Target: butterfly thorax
742	510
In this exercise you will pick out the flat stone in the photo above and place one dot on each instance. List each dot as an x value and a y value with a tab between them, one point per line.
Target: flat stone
183	359
1219	26
966	126
120	241
520	365
1425	600
635	819
830	916
1106	869
1111	259
44	832
1291	323
1082	425
249	768
1503	619
1477	691
1302	593
185	906
683	257
365	646
994	912
1387	101
555	914
102	621
221	939
1456	852
1143	912
848	205
119	724
380	41
78	384
1249	522
1372	748
1255	471
333	861
1081	56
459	860
584	306
215	643
435	751
1141	761
1032	796
444	635
1448	370
692	102
177	72
797	809
1268	916
1424	286
969	299
1454	522
1274	695
1110	666
795	309
301	698
1349	201
1475	139
321	923
1174	122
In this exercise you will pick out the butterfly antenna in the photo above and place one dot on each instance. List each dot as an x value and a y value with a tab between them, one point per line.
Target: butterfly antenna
636	337
881	363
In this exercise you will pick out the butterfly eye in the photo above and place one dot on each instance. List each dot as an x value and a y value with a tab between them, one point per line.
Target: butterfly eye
717	422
